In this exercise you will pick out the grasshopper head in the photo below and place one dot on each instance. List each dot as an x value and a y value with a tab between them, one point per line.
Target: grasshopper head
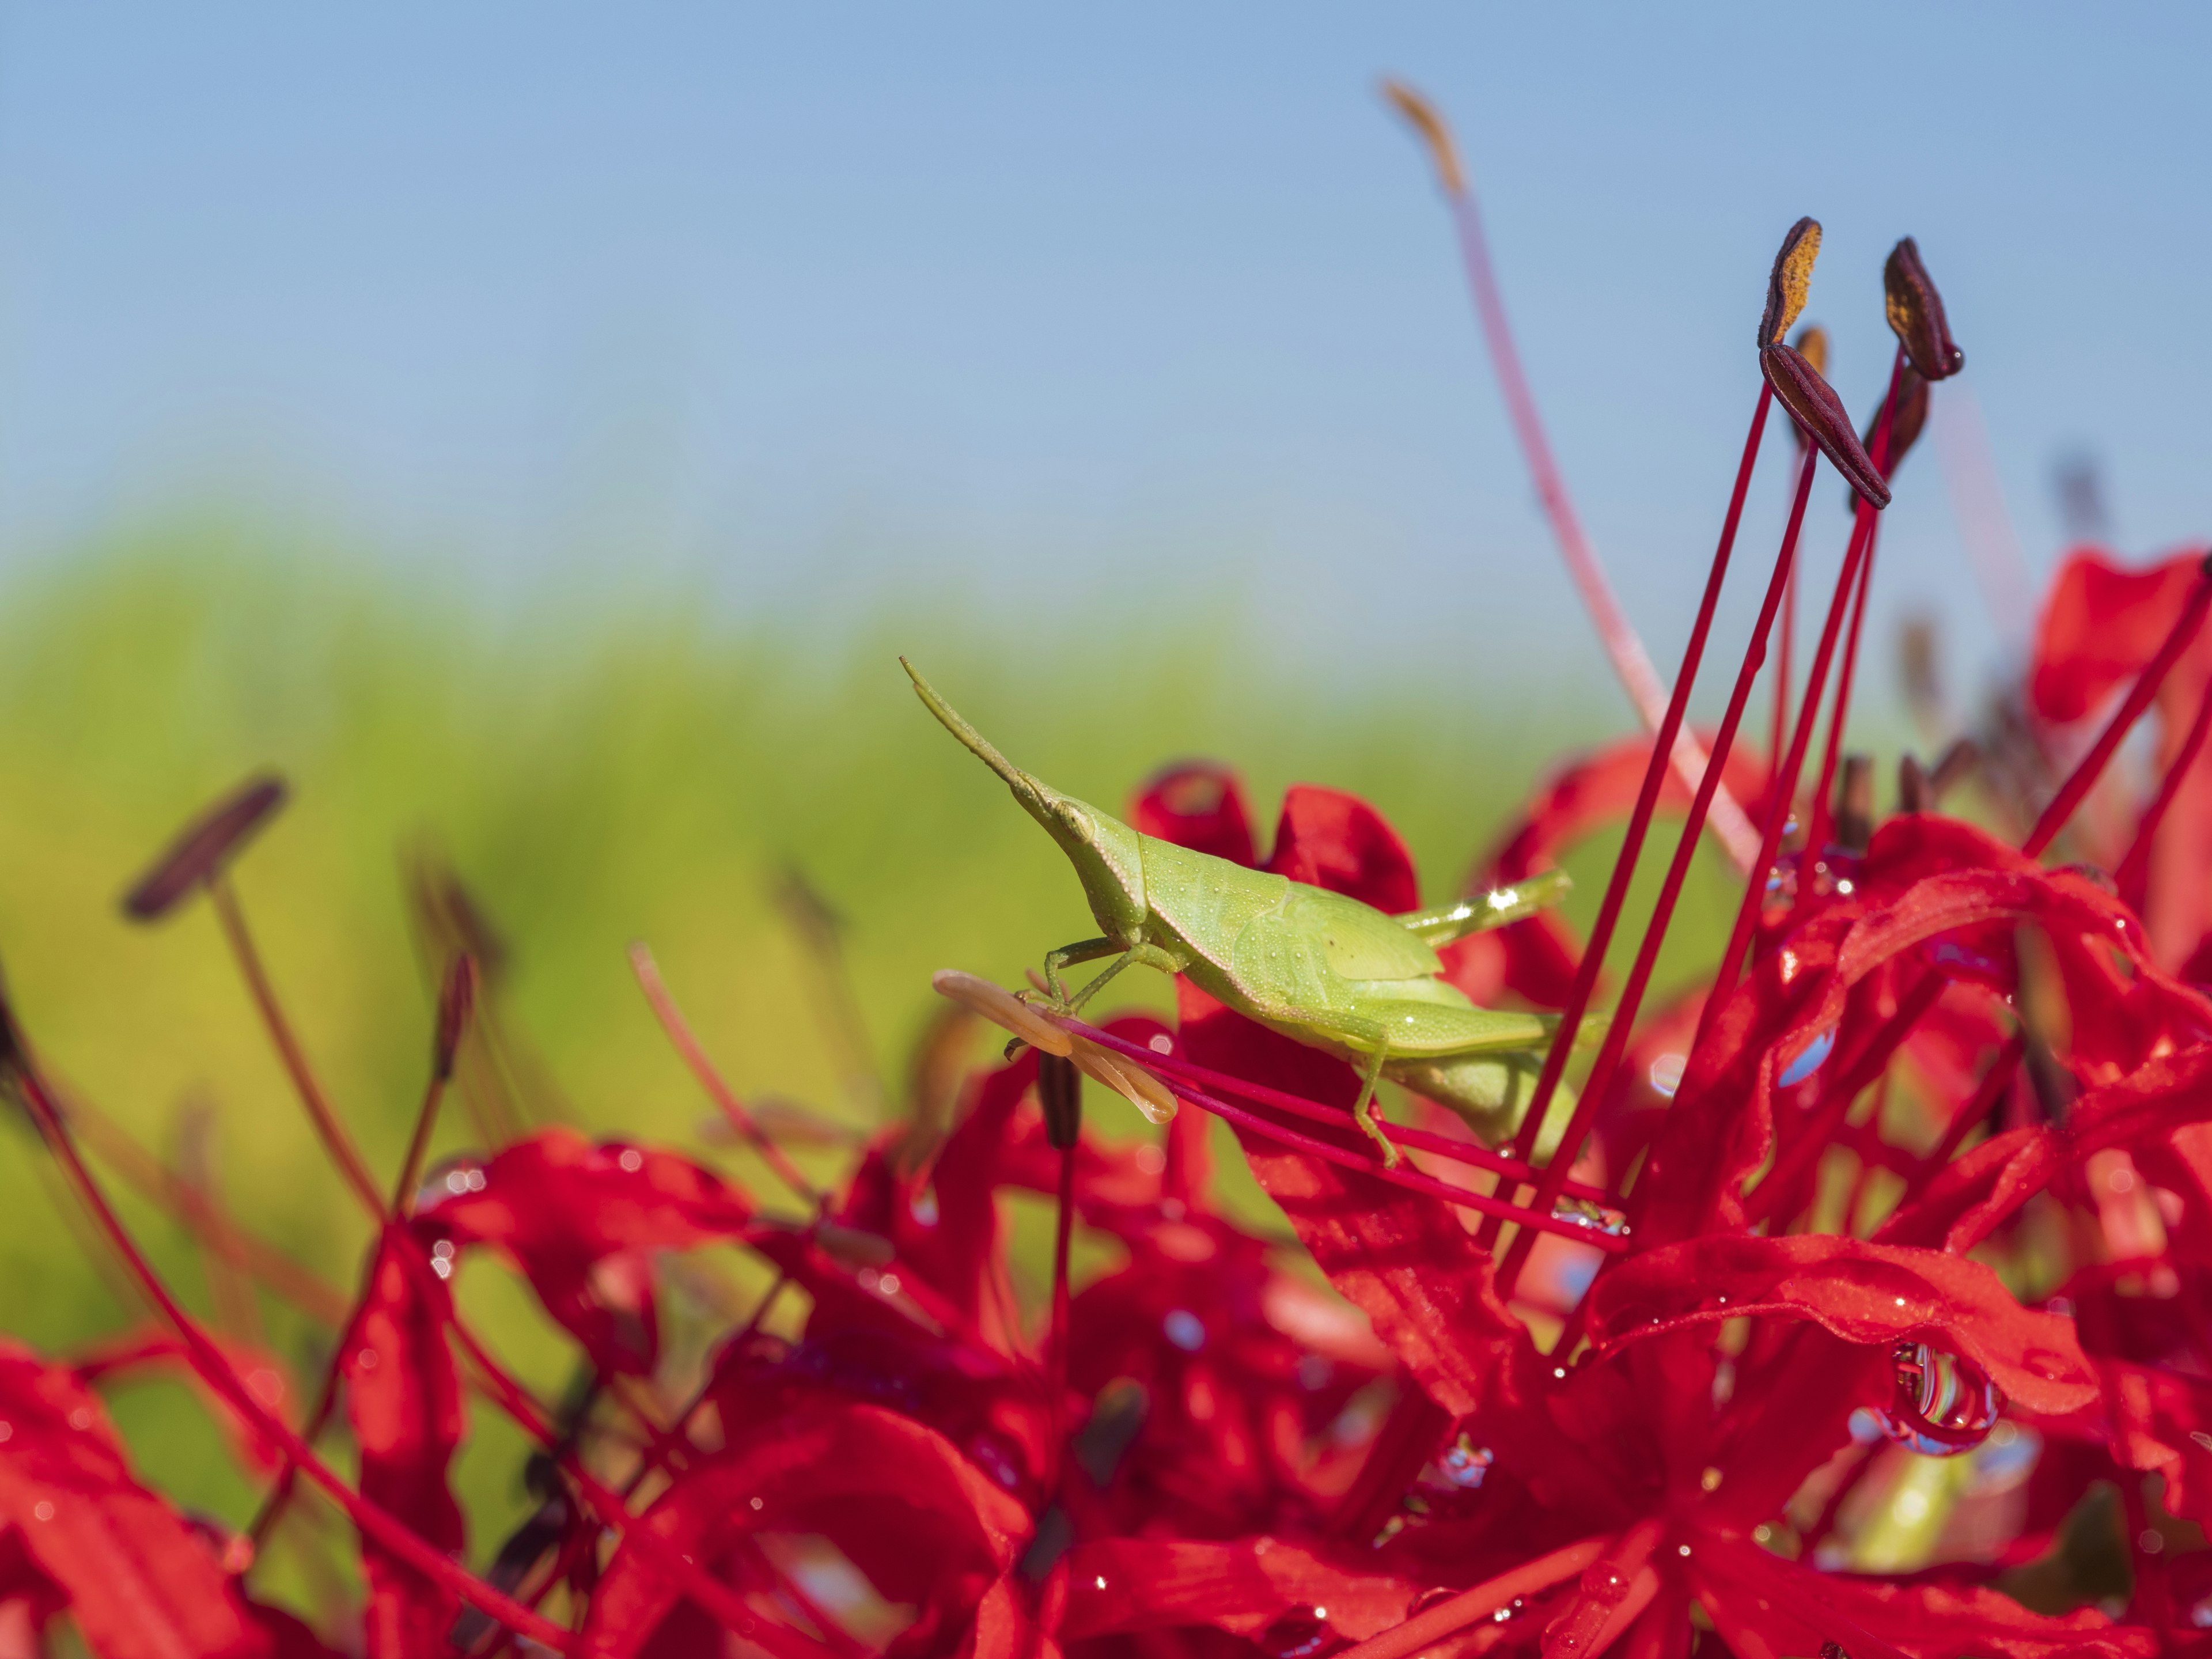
1107	854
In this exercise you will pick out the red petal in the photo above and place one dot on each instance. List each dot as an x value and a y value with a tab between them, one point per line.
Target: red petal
1199	805
901	1503
1327	838
404	1399
1864	1293
2100	624
139	1579
562	1209
1125	1585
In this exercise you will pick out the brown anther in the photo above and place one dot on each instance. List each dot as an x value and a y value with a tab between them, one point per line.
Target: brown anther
457	1002
1788	282
1855	803
1915	314
1913	793
1907	424
1060	1092
1811	344
1813	403
1956	765
1421	115
204	848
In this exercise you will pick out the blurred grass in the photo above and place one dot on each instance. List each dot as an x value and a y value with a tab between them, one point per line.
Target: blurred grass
597	773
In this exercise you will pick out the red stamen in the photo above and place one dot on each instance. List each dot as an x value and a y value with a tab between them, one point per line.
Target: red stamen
1836	1101
1970	1116
215	1369
1785	635
2138	699
332	1133
686	1045
2134	872
1782	786
1428	1628
1062	1237
1599	1081
1639	819
1839	715
1173	1070
1428	1186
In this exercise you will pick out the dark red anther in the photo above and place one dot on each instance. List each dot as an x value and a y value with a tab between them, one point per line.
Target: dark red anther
1789	281
204	848
456	1003
1915	314
1906	426
1813	403
1811	345
1060	1092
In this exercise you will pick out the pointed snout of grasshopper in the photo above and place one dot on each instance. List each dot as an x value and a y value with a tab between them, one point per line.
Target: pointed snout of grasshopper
1039	797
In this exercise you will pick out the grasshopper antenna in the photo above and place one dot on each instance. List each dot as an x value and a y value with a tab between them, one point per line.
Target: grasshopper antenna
1027	790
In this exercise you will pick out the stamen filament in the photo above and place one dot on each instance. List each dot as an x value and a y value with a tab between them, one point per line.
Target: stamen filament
2069	795
1617	1034
1427	1628
1639	820
2134	867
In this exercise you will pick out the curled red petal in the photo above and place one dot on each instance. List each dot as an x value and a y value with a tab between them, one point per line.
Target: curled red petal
579	1220
141	1582
901	1503
1121	1585
1327	838
403	1399
1862	1292
2100	624
1198	805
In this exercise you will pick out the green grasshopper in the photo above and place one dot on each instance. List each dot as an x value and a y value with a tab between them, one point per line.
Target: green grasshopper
1316	966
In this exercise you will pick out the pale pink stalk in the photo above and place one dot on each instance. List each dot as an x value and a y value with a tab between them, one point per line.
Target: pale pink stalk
1615	632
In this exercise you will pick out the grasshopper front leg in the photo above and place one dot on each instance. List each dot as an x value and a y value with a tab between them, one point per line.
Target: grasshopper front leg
1363	1112
1088	950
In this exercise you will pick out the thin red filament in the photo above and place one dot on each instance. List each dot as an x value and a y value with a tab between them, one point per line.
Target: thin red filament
1647	952
1647	802
2069	795
1782	786
2134	872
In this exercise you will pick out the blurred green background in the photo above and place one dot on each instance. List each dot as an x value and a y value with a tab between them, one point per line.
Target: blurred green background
595	775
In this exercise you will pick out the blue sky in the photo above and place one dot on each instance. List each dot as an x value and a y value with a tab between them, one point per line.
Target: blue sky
1141	306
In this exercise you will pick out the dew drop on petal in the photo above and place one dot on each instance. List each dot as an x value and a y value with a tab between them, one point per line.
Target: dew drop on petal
1184	1328
1809	1060
1301	1634
1943	1404
632	1160
43	1509
1465	1464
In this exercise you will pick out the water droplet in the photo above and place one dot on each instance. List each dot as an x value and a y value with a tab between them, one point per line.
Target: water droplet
1162	1044
1184	1328
1667	1073
1301	1634
923	1207
1810	1057
1464	1464
1100	1581
81	1419
757	1502
1943	1404
1560	1372
1429	1598
888	1284
1588	1212
996	1456
43	1509
7	1432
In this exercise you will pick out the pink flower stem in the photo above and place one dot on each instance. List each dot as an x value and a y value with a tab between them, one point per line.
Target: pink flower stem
1783	788
1428	1628
1599	1081
1630	659
2135	868
1639	819
1172	1070
2069	795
